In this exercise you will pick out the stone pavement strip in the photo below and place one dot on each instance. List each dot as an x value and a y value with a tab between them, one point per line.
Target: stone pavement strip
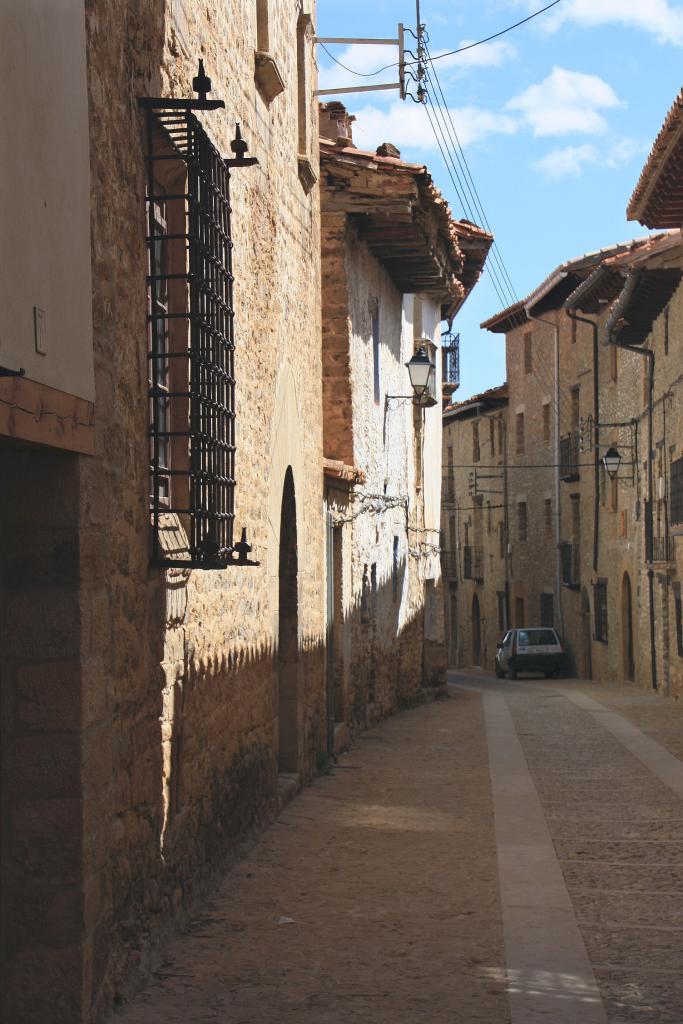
511	856
373	898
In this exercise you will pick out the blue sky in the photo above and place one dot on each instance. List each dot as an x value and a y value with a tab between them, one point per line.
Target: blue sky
555	119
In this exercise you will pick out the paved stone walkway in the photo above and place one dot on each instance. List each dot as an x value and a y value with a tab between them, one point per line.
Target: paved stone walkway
510	856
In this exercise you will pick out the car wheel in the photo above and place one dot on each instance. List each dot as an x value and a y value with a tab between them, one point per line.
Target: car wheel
499	672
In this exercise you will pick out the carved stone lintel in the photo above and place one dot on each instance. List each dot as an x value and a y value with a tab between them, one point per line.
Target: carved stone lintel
269	81
307	175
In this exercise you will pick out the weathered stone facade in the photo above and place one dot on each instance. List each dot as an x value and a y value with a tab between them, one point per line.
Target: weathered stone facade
146	711
385	605
474	526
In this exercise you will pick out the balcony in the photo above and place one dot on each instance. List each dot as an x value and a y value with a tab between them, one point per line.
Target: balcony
448	490
570	557
657	549
569	457
450	361
449	563
473	562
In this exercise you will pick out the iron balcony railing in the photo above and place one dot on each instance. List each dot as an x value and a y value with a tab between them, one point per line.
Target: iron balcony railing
570	555
473	562
450	355
657	548
569	457
449	563
448	490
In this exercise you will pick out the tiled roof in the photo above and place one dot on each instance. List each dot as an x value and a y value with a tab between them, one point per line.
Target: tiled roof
555	288
657	200
338	470
405	221
497	394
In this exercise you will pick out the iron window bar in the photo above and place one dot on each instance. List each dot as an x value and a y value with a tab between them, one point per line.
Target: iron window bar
191	335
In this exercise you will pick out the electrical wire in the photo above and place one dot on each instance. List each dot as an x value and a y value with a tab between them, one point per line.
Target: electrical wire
448	53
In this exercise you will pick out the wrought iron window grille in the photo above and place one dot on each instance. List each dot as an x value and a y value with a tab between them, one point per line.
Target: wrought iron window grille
191	335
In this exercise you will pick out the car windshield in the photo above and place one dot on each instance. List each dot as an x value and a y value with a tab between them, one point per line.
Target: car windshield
536	637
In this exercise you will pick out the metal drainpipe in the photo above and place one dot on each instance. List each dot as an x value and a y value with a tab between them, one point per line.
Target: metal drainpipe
558	558
596	419
610	327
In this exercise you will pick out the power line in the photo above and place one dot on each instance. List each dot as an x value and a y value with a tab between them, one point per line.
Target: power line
448	53
468	175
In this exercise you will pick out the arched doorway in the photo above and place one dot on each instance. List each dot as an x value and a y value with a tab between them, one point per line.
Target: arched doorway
586	666
627	660
476	631
288	634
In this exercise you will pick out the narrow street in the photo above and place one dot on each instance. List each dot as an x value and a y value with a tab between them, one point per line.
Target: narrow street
509	856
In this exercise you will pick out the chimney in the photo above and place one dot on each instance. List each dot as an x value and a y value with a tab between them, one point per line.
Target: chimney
335	123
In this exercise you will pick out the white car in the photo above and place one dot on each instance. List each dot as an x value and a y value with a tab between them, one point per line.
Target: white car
535	649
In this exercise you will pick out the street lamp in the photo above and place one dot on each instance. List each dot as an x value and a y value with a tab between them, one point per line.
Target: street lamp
422	373
611	460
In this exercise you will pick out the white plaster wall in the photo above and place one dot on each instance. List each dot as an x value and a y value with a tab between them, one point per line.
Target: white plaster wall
45	193
382	430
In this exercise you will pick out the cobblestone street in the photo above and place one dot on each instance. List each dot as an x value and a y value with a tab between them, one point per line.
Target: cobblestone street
514	854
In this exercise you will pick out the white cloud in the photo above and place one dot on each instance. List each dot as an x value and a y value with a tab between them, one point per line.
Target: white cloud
570	161
623	151
361	58
567	162
658	17
566	102
488	55
408	127
370	58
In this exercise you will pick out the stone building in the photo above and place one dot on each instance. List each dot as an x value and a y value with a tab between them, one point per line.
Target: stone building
394	264
594	460
556	380
474	526
157	690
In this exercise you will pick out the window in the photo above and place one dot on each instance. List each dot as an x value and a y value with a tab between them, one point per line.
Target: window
492	437
576	410
262	28
546	422
500	599
613	362
365	597
676	485
475	442
375	354
678	607
191	347
304	30
528	362
519	612
666	331
394	570
548	512
521	520
500	436
547	610
600	603
576	518
519	424
574	327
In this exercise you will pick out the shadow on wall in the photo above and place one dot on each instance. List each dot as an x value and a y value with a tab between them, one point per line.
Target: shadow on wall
127	787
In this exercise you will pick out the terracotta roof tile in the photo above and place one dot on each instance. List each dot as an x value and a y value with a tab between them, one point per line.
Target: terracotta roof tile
657	201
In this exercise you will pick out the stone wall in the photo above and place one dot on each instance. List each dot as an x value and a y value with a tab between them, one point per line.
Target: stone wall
471	520
390	642
160	758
